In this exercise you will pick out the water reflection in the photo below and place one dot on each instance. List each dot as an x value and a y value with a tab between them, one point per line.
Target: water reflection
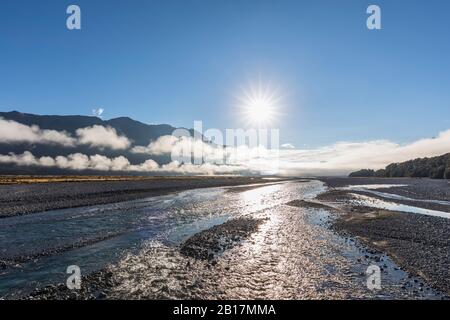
363	200
291	256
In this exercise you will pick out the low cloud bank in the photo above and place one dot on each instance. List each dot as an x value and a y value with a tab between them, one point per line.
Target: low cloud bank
182	148
96	136
79	162
345	157
14	132
338	159
102	137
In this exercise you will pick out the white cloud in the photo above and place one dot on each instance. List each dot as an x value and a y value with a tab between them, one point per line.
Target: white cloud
345	157
287	146
340	158
180	148
147	166
75	161
337	159
14	132
27	159
80	162
98	112
163	145
203	169
102	137
96	136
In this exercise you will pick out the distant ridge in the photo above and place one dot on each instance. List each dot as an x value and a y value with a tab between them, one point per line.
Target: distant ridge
435	168
140	134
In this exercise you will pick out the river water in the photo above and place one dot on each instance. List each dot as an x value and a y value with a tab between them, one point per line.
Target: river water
293	255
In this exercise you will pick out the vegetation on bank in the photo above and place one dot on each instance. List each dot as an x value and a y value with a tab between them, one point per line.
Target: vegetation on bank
435	168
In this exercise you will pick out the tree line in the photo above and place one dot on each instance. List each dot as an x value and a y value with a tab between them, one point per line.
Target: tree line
435	168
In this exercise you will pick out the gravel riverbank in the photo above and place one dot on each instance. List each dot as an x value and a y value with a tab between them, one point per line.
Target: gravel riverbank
418	243
19	199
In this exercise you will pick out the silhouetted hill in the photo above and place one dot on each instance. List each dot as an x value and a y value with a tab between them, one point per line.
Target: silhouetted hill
435	167
139	132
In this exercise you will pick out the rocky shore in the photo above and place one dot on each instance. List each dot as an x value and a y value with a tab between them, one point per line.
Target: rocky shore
418	243
208	244
205	246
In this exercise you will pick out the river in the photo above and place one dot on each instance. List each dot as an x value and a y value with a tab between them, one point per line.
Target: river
293	255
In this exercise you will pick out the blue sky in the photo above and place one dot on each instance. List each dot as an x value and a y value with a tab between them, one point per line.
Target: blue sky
179	61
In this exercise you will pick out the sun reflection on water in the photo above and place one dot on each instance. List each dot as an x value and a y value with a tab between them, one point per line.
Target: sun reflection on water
259	198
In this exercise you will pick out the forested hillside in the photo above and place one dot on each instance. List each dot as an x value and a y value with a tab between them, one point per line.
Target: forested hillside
435	167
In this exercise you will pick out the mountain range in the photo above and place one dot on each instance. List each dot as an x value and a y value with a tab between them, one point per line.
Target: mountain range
138	133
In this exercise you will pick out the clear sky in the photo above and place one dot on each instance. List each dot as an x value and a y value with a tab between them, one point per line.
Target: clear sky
166	61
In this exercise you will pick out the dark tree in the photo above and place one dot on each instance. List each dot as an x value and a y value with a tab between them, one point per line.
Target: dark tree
435	168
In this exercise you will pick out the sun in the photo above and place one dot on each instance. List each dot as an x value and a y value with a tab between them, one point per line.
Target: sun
259	109
259	105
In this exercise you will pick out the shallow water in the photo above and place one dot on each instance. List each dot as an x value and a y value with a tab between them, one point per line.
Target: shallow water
372	188
363	200
399	197
293	255
364	187
39	247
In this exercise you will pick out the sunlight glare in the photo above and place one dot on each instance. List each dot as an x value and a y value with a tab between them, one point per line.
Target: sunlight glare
259	105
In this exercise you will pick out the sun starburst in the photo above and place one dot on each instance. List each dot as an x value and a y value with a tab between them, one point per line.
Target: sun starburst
259	104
